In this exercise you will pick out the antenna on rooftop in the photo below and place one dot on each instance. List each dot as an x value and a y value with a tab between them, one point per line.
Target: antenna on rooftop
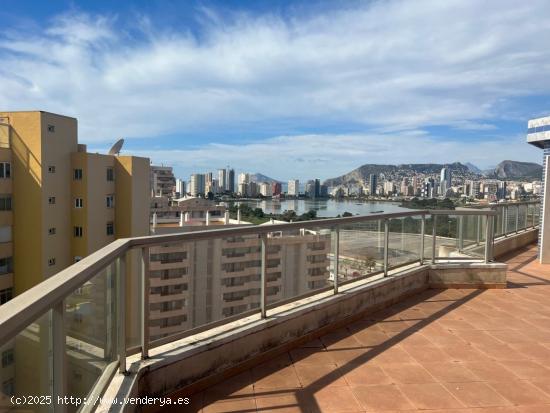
115	149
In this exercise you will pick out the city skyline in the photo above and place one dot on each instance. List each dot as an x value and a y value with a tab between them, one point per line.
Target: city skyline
187	84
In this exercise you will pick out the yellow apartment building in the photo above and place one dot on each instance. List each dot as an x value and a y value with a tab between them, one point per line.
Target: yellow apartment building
58	204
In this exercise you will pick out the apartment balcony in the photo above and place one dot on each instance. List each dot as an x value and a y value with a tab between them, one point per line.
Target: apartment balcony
453	350
444	314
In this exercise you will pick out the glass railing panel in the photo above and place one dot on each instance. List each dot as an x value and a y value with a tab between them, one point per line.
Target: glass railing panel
457	237
471	235
361	250
512	213
428	238
173	279
499	221
530	215
446	236
196	283
91	332
25	369
404	240
522	216
299	262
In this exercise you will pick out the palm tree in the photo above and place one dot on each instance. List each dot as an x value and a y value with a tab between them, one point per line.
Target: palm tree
370	263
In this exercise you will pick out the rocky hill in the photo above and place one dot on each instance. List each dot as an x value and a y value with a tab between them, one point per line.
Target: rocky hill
395	172
258	177
517	170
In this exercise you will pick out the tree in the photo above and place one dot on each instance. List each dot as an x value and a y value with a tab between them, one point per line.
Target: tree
370	263
347	214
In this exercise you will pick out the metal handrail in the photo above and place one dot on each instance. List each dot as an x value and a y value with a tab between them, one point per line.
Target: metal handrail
50	294
31	304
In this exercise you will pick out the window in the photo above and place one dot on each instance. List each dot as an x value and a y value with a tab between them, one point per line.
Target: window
78	202
51	200
8	387
5	170
77	174
5	233
6	295
51	128
110	199
51	262
7	357
78	232
6	265
51	169
51	231
5	203
110	228
110	174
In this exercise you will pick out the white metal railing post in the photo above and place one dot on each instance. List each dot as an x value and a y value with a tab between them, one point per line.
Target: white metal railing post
517	218
263	277
478	230
145	291
505	220
422	233
58	351
460	233
488	238
336	257
434	233
121	312
386	245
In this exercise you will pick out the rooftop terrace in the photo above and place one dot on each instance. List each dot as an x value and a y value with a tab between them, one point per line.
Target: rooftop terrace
441	350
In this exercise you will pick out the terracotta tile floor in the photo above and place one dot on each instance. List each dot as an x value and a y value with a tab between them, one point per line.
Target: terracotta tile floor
441	351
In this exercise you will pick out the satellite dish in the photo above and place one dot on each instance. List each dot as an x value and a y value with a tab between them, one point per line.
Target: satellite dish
115	149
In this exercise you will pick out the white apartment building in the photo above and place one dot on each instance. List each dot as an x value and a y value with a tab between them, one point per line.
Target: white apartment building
244	178
163	181
197	184
265	189
293	187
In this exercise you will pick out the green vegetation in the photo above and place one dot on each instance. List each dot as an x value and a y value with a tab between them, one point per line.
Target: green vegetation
431	203
258	216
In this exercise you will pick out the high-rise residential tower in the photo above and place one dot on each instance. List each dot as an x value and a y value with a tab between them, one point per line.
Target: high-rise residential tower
538	134
445	181
69	202
373	183
197	184
231	180
222	179
293	187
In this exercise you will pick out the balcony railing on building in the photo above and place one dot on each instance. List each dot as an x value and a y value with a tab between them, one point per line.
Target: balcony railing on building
73	332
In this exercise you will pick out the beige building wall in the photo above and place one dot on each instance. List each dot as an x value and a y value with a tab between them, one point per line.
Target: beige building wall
57	146
26	143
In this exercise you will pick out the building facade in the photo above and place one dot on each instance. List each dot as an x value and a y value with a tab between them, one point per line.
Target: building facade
163	181
293	187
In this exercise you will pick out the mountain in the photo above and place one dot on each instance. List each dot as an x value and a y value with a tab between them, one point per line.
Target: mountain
472	167
258	177
517	170
395	172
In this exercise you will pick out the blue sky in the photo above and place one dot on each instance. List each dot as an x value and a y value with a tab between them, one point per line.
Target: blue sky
297	89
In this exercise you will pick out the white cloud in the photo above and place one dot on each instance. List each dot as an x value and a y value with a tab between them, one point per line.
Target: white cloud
389	65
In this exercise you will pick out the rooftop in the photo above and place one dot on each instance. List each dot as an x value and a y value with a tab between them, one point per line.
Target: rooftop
441	350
